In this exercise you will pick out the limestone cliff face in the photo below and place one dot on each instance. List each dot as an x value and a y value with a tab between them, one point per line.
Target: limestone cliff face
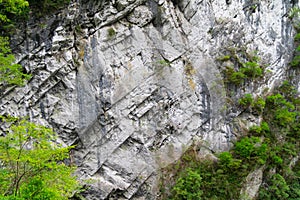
135	82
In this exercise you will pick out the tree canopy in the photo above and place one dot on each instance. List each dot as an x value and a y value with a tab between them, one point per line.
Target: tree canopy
32	164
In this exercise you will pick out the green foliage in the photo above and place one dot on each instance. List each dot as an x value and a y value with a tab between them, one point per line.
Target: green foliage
262	130
294	183
234	77
252	69
224	58
259	105
32	164
277	188
289	92
279	110
243	74
228	162
246	101
164	63
246	147
12	7
10	10
294	12
297	37
188	186
243	71
10	73
275	159
277	101
284	117
296	61
252	148
111	33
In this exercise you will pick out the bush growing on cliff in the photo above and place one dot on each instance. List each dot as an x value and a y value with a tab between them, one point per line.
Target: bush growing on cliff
10	73
252	69
246	100
252	149
188	186
32	165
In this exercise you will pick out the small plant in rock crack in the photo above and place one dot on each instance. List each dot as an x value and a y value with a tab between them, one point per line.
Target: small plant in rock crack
111	33
246	67
246	101
252	69
164	63
224	58
294	12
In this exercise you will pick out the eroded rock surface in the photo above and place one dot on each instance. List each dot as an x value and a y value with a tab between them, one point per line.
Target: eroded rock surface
133	82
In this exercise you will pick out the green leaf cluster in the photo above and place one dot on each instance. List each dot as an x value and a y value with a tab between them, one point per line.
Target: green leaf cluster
250	69
252	149
187	186
10	73
12	11
295	63
246	101
33	164
12	8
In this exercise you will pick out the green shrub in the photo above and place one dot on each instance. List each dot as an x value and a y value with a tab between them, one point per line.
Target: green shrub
246	101
245	148
252	70
265	127
234	77
284	117
242	71
237	78
296	61
224	58
188	186
280	111
277	160
255	130
297	37
10	12
228	162
277	101
262	130
10	73
294	183
277	188
251	148
111	33
289	92
259	105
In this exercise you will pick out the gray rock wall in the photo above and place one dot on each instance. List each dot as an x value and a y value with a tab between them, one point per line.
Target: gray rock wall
134	83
